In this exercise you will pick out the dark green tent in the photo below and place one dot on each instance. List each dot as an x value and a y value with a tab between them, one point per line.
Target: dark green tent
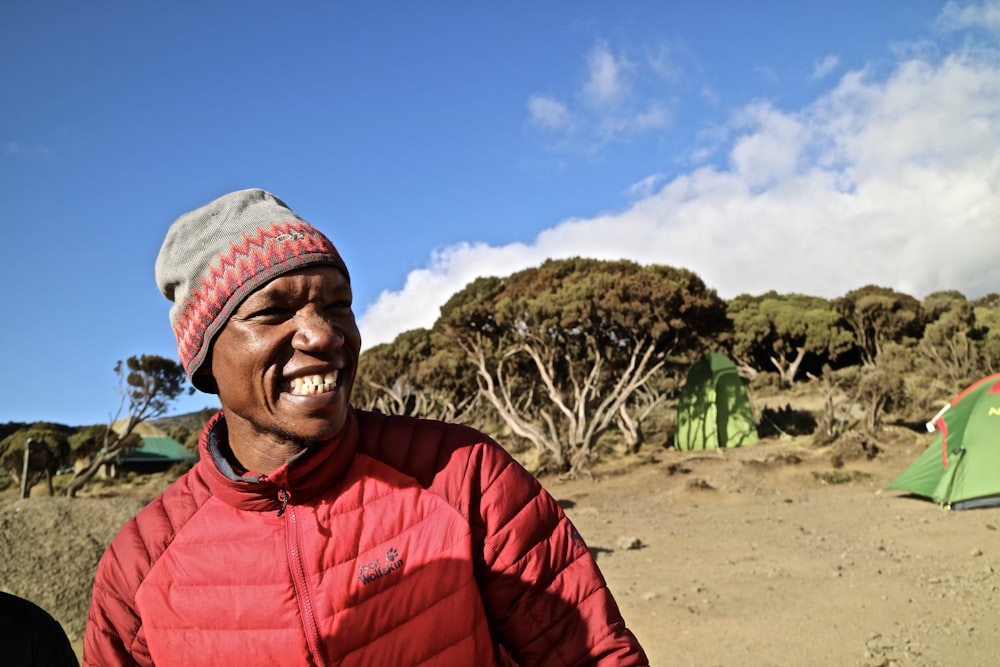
960	468
714	410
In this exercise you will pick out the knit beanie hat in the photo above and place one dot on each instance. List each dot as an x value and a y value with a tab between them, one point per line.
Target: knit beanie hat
217	255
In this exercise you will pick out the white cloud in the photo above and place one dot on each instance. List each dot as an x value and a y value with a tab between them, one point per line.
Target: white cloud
891	180
769	152
652	117
958	16
604	85
607	109
548	113
645	187
824	66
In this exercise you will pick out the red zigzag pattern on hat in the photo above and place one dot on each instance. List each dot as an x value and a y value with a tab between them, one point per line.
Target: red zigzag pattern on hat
245	260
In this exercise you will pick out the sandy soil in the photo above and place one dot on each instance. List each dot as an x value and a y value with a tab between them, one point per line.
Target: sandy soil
739	557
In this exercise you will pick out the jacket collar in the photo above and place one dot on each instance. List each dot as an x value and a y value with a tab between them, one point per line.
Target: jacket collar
303	477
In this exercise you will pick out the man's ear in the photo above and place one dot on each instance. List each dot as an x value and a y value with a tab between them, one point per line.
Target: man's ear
205	380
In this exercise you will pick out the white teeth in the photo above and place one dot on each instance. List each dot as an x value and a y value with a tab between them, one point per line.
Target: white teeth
314	384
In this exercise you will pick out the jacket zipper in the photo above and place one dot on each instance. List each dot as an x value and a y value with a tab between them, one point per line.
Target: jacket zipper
283	497
293	544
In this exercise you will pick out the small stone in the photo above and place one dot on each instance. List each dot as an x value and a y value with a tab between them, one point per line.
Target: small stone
629	543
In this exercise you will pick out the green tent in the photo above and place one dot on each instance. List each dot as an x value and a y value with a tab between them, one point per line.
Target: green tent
714	410
156	453
160	448
961	467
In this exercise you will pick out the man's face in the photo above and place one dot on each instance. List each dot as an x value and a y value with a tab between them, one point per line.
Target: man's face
286	360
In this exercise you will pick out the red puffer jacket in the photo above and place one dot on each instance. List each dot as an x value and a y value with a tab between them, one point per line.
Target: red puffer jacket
401	542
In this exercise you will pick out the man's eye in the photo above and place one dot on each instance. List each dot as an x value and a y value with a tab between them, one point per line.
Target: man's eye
342	307
272	314
339	306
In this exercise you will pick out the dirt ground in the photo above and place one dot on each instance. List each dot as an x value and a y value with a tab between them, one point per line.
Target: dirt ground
753	557
766	555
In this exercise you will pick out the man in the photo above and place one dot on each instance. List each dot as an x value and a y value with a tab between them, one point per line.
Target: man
312	533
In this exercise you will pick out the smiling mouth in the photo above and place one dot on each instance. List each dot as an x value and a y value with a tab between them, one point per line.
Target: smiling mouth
310	385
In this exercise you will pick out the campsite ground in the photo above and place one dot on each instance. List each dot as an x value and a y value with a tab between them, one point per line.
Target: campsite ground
766	555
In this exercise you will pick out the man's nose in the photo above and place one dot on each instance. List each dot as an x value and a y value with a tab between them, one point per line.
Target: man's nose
316	331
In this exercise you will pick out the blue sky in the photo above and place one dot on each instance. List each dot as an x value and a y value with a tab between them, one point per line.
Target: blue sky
801	147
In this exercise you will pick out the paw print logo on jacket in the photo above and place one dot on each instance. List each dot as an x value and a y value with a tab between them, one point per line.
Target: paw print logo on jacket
375	570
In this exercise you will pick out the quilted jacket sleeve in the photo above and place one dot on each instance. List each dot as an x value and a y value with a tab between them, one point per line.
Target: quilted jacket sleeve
546	598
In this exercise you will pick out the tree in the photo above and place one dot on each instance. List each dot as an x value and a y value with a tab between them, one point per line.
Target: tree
384	374
411	377
780	330
882	389
48	447
147	385
832	384
559	350
879	316
642	404
949	340
987	310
